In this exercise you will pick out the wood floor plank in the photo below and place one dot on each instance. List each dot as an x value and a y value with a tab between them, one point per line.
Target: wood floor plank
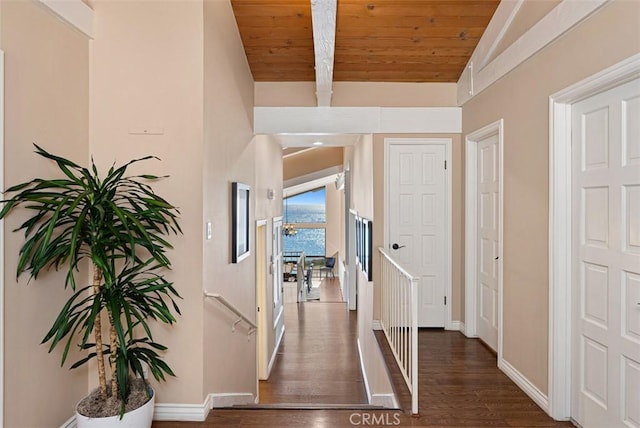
460	384
318	359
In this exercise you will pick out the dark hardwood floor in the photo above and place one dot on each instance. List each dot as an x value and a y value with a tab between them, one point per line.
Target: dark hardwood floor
460	384
318	360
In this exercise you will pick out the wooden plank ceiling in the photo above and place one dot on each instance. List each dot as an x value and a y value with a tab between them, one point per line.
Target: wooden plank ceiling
376	40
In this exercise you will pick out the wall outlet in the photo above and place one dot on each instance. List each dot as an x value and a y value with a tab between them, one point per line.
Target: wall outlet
209	229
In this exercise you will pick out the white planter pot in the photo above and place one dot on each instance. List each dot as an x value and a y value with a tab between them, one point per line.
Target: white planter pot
138	418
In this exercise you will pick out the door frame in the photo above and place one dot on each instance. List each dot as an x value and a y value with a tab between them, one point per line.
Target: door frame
1	240
262	263
561	224
448	144
276	317
352	268
471	227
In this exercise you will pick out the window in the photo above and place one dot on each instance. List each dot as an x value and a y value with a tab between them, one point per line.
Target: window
305	214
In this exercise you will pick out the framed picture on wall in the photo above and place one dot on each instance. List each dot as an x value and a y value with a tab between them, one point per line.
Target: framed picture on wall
369	250
239	222
358	239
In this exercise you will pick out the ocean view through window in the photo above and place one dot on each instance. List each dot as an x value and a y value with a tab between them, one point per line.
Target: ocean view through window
306	212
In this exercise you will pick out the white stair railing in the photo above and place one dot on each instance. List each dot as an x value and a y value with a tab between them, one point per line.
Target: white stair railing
399	319
241	317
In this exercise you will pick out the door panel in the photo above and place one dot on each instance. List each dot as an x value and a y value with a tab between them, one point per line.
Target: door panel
488	182
606	260
417	198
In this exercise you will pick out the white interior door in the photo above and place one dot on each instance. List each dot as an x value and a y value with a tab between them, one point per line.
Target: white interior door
488	182
606	258
417	224
277	270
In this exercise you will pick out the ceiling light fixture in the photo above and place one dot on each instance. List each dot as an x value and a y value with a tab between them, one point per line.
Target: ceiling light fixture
318	143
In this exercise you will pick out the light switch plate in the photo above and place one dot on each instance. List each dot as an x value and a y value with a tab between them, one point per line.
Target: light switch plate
209	230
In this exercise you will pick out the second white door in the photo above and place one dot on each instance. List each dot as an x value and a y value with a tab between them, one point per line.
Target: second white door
418	232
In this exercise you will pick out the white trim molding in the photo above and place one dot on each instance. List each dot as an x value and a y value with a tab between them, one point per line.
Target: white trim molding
70	423
231	399
272	360
1	240
75	13
471	227
448	145
524	384
356	120
482	71
560	225
377	325
456	326
387	401
364	372
183	412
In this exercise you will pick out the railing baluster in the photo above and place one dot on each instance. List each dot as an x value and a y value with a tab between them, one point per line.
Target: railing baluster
399	320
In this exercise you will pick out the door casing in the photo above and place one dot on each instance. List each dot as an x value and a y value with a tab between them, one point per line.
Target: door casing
471	227
262	285
561	226
1	240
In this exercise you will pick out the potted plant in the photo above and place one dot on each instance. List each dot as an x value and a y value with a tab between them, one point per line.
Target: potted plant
119	224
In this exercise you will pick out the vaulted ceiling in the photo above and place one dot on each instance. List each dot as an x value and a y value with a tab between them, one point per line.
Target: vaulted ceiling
375	40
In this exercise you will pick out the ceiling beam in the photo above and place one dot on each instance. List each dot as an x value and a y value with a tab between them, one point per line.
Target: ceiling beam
323	17
356	120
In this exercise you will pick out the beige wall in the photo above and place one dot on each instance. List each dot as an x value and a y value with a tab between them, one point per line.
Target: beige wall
231	154
145	76
522	99
457	221
198	88
308	162
46	101
269	176
334	234
361	160
357	94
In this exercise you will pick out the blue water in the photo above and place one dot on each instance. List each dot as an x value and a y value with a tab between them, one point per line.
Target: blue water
311	241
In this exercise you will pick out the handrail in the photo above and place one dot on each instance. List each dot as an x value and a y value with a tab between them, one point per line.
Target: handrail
236	311
397	265
399	319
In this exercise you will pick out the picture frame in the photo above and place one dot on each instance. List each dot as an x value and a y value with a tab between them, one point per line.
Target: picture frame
364	246
239	221
369	250
358	240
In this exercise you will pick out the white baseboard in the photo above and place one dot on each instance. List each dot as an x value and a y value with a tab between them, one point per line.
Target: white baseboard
272	360
384	400
69	423
183	412
231	399
364	373
525	384
377	325
456	326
